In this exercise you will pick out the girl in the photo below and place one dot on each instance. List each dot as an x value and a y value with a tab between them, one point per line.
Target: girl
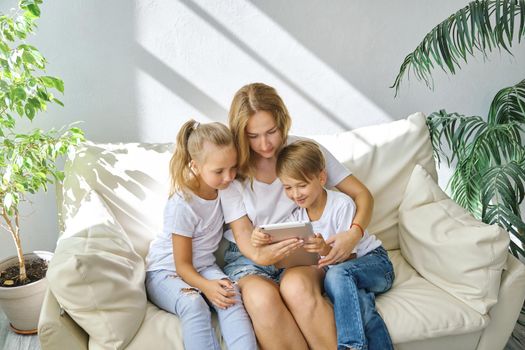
292	314
181	271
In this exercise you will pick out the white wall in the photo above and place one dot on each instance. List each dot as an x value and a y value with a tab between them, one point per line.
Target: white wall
136	70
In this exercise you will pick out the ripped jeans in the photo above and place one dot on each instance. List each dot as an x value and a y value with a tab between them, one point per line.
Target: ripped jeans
170	293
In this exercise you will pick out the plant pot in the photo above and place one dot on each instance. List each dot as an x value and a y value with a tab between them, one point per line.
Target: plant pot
22	304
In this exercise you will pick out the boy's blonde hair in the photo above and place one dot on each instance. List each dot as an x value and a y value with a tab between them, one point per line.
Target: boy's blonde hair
301	160
249	100
190	142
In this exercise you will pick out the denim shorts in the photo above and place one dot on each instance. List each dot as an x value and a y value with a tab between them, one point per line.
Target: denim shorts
238	266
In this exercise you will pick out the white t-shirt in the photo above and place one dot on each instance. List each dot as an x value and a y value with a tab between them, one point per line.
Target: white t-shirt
267	203
337	216
198	218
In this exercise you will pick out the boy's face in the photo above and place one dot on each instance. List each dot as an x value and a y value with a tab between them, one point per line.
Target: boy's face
304	193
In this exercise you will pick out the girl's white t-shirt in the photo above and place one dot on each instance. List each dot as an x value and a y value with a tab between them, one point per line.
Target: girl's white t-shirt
198	218
267	203
337	216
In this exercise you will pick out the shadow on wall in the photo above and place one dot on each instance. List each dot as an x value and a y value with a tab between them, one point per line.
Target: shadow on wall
101	65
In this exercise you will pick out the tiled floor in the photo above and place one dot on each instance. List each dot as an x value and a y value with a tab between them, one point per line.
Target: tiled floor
12	341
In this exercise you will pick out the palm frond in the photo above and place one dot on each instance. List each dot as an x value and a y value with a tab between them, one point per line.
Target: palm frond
480	26
465	187
452	132
508	105
504	186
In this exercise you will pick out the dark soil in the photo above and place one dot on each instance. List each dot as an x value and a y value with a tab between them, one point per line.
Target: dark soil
36	269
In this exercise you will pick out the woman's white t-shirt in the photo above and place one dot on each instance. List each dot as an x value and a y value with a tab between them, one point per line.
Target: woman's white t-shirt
267	203
337	216
198	218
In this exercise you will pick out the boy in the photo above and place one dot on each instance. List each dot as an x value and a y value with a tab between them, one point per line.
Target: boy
350	285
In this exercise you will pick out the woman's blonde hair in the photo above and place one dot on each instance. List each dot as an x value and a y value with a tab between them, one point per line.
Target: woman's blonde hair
249	100
190	142
301	160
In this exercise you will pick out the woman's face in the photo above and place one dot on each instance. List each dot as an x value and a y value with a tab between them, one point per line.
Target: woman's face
264	136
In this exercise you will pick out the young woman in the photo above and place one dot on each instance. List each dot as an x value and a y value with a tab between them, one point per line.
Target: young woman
286	307
181	272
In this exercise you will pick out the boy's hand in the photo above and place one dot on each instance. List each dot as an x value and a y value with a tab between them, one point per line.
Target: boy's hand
260	238
317	244
343	244
220	293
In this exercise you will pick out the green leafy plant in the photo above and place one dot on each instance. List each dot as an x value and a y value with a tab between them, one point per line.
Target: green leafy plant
27	160
489	159
488	154
479	27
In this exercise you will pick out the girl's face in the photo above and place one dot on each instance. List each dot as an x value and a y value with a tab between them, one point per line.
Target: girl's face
264	136
218	167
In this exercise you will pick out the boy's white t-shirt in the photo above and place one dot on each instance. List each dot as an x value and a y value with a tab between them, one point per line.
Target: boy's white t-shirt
198	218
267	203
337	217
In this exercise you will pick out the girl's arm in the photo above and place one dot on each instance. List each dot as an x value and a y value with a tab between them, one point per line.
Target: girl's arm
219	292
345	242
263	255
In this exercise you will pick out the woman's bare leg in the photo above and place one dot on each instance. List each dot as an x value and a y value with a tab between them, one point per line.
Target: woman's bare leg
301	289
273	323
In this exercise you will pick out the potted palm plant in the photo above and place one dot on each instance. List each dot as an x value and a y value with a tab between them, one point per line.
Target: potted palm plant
27	159
488	153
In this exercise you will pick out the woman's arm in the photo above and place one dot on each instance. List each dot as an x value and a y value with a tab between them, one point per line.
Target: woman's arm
362	197
219	292
264	255
345	242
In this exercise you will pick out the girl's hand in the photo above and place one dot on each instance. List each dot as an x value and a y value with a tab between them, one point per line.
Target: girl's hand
220	293
317	244
342	246
260	238
272	253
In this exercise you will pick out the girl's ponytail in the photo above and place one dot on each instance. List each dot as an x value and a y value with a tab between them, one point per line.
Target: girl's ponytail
189	146
180	171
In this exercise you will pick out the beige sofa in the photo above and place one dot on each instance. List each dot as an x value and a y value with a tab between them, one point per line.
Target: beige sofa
456	286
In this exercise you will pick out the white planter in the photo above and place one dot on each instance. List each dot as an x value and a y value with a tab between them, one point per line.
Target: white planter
22	304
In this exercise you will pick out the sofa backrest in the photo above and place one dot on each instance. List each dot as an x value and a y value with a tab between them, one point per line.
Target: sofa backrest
383	157
133	178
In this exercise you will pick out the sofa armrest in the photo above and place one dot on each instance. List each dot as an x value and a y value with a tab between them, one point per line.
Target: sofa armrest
56	330
504	314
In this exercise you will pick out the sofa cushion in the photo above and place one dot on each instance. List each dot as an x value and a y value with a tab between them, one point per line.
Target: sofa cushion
382	157
415	309
97	276
448	246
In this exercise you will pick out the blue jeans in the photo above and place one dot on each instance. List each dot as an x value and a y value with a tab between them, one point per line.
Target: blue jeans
169	292
352	286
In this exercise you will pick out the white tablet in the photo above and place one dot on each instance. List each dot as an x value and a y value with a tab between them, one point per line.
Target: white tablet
287	230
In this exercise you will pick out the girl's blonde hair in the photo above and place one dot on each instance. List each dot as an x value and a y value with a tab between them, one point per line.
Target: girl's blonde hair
249	100
190	142
301	160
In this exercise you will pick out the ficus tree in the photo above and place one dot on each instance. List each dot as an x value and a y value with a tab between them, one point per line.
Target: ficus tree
27	159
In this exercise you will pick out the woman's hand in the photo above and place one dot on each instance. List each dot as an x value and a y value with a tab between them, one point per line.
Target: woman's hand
342	246
272	253
220	293
260	238
317	244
